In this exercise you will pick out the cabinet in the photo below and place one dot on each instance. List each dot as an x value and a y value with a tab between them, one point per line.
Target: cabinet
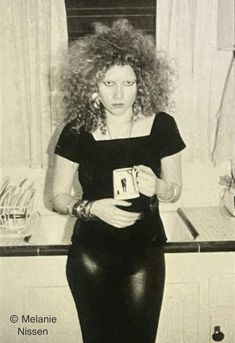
199	295
37	286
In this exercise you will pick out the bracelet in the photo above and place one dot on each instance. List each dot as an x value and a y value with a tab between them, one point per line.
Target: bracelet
81	209
88	210
173	194
70	207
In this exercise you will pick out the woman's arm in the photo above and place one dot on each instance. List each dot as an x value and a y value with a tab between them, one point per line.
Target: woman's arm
168	186
105	209
171	176
64	172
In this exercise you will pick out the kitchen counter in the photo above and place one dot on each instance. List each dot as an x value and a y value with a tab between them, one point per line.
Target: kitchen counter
51	235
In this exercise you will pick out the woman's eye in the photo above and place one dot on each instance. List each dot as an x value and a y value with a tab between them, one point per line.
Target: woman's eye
108	83
129	83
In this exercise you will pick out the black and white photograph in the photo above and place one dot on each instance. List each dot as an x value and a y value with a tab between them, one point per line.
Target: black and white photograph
117	171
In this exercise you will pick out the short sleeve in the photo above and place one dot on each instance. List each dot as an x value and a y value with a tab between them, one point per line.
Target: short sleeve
69	143
170	140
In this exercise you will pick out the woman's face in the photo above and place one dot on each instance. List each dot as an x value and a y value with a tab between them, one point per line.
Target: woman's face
117	90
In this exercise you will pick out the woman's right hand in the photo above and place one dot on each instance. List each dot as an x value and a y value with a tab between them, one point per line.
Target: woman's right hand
107	210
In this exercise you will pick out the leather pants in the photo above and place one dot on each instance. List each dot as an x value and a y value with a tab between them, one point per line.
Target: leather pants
118	295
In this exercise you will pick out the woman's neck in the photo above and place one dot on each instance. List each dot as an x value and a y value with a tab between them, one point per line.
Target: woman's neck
119	126
122	120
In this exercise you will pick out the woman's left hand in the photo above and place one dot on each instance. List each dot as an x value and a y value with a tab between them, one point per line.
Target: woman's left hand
146	180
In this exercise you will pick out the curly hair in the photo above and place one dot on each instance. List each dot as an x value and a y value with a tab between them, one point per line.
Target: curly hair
90	57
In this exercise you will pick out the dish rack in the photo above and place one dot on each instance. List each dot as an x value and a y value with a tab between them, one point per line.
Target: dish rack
15	220
17	209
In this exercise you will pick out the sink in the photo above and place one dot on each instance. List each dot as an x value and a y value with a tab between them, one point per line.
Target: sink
53	229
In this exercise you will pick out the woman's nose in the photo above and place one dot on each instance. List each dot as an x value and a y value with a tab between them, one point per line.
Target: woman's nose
118	92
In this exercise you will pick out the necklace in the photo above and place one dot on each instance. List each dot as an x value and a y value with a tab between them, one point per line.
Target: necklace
130	132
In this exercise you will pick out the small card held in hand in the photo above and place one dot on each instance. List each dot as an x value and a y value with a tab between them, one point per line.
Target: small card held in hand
124	184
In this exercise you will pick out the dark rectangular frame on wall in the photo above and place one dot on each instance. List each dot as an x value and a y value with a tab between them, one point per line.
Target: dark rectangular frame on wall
81	14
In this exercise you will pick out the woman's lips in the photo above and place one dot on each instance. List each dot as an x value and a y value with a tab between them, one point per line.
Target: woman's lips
118	105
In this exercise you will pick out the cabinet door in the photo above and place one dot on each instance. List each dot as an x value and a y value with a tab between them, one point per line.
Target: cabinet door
224	319
36	286
179	316
199	295
52	302
222	305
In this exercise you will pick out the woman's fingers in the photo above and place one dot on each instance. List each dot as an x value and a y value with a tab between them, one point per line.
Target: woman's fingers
107	210
147	187
145	174
143	168
121	202
146	180
125	219
127	215
122	225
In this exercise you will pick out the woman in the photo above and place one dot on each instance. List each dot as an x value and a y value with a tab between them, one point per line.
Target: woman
127	154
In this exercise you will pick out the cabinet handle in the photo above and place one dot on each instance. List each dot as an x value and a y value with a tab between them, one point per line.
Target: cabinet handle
217	336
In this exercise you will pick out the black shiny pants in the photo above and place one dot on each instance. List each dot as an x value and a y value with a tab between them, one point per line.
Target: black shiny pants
118	296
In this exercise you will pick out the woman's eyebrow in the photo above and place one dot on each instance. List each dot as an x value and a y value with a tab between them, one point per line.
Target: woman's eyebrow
114	80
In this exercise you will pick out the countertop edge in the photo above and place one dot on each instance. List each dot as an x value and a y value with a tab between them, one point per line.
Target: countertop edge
169	247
